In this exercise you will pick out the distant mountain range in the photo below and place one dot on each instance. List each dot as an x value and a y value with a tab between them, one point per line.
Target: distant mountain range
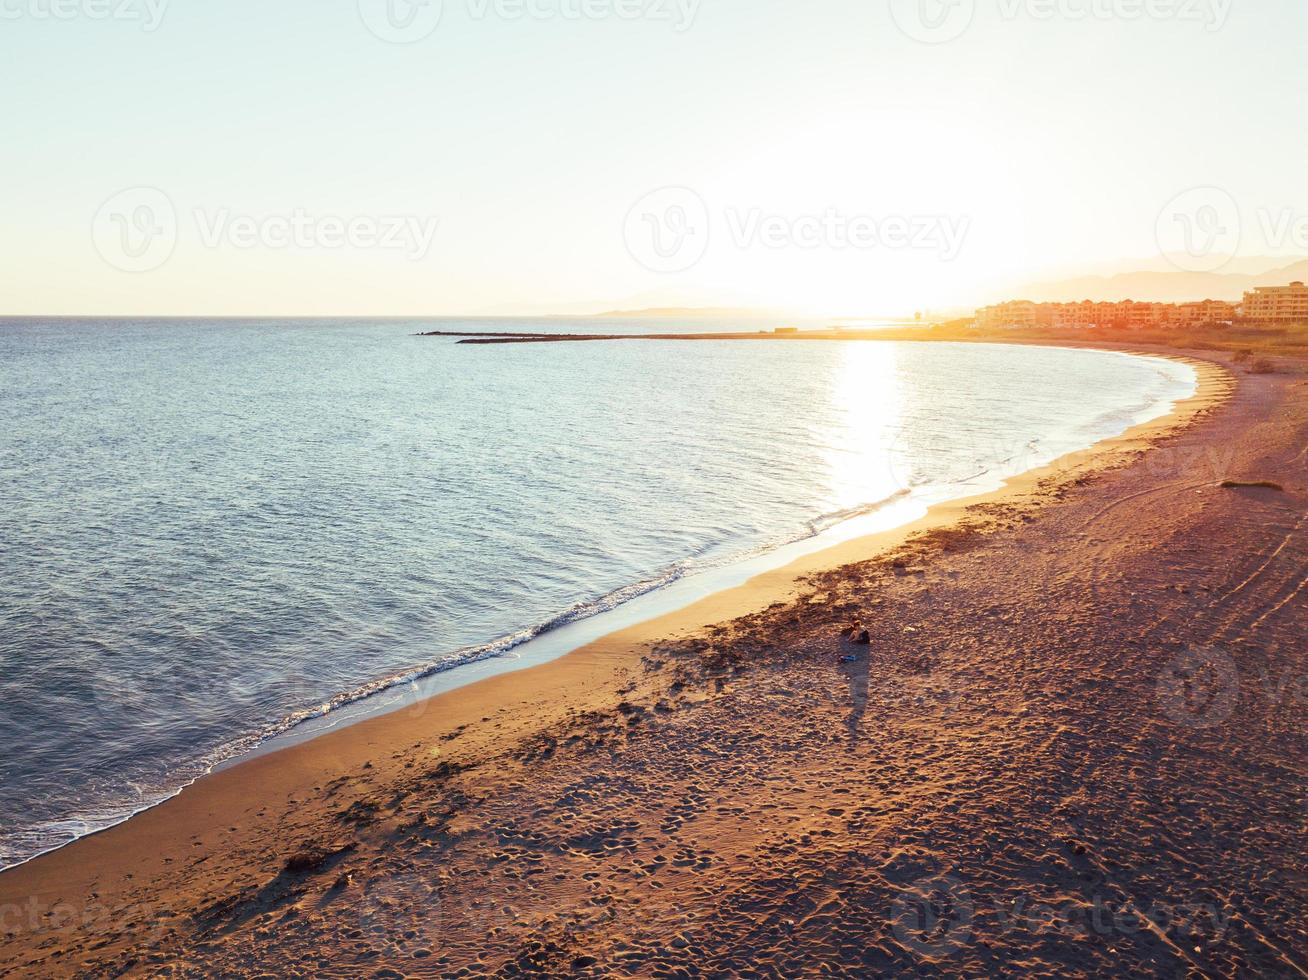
1171	286
1146	279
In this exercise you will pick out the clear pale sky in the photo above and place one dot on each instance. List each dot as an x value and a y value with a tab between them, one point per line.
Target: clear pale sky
1057	141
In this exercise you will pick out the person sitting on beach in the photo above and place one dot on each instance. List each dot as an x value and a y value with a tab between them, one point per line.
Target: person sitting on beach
856	632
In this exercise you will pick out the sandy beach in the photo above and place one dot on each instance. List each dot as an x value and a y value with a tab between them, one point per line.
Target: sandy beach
1074	745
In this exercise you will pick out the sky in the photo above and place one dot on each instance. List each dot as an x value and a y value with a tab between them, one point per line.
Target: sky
828	157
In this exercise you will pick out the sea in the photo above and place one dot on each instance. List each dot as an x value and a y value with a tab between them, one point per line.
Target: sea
217	535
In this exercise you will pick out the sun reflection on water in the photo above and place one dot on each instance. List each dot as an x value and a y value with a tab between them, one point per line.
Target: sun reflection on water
867	398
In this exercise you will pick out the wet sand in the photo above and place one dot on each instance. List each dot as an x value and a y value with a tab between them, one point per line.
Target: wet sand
1075	745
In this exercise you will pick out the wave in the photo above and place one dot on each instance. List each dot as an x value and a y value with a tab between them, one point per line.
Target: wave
30	843
26	845
585	609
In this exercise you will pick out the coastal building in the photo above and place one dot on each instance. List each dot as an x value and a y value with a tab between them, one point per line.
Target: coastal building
1276	304
1017	313
1078	316
1208	311
1088	315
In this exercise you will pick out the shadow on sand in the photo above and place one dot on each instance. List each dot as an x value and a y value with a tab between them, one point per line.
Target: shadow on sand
857	673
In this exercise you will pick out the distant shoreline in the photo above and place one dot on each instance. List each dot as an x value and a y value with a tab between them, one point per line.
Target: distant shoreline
1244	340
508	337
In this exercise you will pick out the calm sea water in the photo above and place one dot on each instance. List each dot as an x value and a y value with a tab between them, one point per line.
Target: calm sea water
213	530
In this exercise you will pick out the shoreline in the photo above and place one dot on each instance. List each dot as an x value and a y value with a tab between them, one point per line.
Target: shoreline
939	514
748	564
809	554
233	812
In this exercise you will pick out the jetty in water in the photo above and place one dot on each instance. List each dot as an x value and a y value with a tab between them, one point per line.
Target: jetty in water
466	337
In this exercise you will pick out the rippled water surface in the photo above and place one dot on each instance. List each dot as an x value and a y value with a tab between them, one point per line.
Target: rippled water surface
212	529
